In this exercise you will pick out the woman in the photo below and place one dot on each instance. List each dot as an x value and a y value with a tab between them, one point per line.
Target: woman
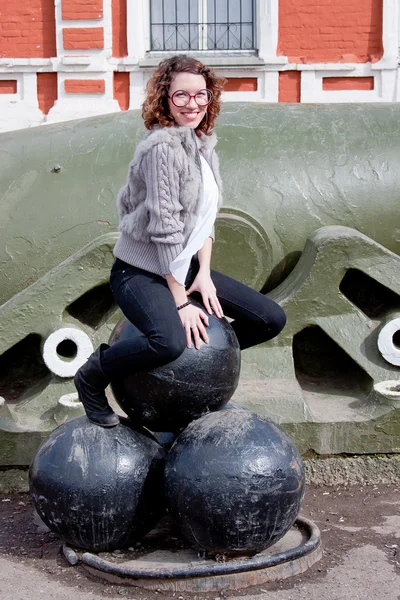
167	211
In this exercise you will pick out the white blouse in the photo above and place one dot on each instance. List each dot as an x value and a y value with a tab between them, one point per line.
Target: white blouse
207	213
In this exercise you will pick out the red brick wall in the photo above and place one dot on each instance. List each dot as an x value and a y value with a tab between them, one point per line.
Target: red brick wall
121	90
85	86
46	91
330	30
330	84
241	84
81	9
83	38
8	86
27	29
289	86
119	25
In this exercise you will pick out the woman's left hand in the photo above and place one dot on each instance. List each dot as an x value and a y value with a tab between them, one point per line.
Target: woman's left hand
204	285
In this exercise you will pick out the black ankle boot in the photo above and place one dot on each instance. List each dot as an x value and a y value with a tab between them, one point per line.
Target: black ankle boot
91	382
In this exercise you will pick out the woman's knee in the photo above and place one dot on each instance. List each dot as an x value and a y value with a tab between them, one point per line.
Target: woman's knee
169	346
272	322
278	321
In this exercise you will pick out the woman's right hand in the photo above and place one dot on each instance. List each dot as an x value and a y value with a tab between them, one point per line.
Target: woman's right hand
194	321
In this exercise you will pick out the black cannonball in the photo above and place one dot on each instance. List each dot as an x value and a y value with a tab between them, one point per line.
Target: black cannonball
169	397
234	482
97	488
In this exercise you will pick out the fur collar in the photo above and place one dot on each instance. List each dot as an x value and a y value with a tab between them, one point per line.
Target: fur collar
177	135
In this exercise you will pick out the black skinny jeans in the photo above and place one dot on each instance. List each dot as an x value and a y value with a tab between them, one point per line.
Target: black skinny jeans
146	301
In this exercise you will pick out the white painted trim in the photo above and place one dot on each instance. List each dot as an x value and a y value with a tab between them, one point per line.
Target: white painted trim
202	19
267	88
241	96
271	86
137	83
390	35
267	85
29	89
84	52
12	98
14	62
107	25
59	27
26	89
78	106
308	87
267	19
96	64
86	23
106	76
324	66
384	86
20	110
389	85
138	27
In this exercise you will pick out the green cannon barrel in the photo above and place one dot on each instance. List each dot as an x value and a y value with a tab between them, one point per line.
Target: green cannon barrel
287	171
310	215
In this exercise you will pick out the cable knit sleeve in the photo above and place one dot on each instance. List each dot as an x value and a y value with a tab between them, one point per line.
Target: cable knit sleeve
161	173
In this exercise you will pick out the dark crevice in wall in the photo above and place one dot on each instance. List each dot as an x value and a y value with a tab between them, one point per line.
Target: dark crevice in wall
94	307
22	368
374	299
281	271
319	361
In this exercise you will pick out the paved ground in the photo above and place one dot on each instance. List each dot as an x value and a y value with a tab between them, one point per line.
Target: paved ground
361	539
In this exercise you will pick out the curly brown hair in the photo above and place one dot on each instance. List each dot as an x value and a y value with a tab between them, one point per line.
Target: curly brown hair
155	108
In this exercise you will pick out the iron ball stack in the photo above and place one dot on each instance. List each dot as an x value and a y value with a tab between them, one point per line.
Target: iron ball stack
233	481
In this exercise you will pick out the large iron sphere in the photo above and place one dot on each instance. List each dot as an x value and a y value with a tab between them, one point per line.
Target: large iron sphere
234	482
98	488
169	397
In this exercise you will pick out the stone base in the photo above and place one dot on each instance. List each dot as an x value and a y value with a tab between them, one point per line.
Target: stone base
185	571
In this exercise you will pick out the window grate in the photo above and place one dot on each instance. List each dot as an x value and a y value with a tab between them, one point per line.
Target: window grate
190	25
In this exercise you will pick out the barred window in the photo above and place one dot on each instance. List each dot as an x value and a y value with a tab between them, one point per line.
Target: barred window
202	25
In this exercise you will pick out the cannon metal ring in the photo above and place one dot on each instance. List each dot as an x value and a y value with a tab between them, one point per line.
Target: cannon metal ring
386	342
83	349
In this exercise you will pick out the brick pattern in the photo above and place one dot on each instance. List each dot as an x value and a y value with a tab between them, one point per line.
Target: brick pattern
289	86
85	86
83	38
313	31
119	27
81	9
121	90
47	91
8	86
27	29
330	84
241	84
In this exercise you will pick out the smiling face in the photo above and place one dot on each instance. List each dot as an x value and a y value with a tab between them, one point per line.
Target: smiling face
191	114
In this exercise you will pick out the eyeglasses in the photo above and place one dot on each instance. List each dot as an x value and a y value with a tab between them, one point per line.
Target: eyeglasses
182	98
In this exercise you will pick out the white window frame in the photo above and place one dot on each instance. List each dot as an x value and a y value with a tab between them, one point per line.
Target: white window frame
266	32
202	18
202	14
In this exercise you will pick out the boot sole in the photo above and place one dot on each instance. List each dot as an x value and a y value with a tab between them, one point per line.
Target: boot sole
108	425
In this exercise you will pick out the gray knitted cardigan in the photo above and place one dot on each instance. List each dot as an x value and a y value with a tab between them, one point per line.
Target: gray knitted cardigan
159	204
